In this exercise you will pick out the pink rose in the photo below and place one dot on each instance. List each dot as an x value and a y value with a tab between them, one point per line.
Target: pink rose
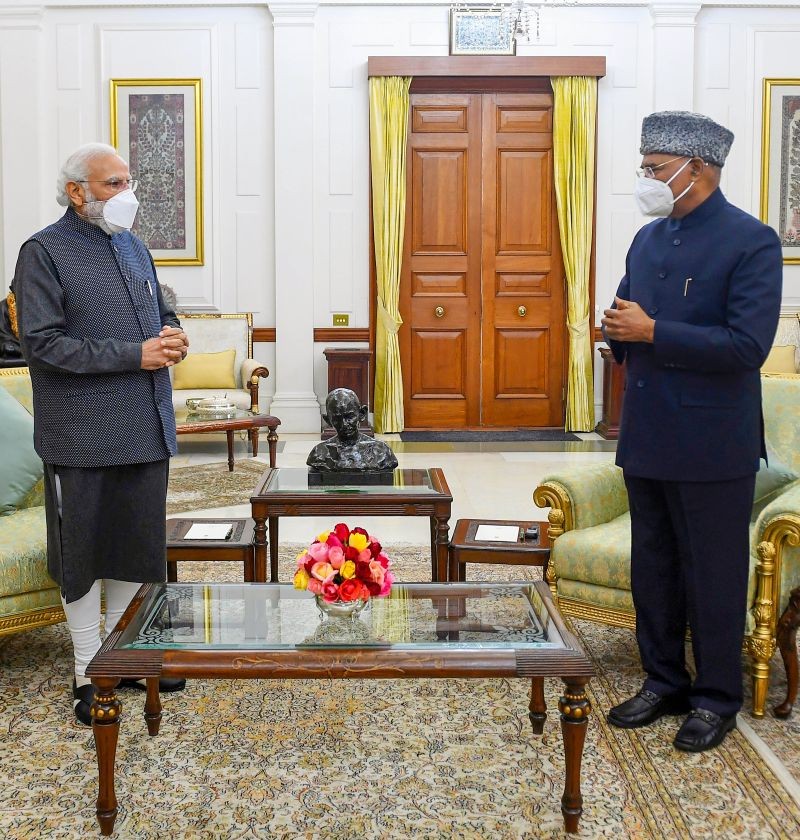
383	560
330	592
322	571
336	556
333	540
364	556
377	572
388	580
302	560
314	586
319	551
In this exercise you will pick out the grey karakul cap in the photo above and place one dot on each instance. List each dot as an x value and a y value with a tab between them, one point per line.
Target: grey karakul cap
684	133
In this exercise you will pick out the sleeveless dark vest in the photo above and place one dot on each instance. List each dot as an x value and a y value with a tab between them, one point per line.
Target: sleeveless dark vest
98	420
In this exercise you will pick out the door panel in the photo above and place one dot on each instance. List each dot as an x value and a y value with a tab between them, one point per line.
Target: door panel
523	328
440	293
481	293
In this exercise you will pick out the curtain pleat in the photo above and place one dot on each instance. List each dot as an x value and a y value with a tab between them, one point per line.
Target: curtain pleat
574	118
388	129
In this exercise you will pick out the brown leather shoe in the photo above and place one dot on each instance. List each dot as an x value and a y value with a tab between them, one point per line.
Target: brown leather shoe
645	708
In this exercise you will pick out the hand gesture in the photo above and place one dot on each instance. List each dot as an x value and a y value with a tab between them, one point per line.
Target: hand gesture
628	322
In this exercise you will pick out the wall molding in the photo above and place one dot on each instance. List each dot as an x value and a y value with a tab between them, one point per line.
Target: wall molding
264	334
322	335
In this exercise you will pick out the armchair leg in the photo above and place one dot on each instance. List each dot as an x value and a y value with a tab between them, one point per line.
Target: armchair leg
787	641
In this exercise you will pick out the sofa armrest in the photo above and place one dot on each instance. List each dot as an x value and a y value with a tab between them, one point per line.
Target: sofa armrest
252	371
786	507
582	497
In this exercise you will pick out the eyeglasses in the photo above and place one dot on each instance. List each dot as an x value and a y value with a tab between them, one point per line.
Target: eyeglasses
116	184
650	171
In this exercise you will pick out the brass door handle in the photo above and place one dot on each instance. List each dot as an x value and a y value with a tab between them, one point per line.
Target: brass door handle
439	312
522	311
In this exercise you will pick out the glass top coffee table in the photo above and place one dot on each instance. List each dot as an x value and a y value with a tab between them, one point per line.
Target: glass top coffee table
272	631
296	491
192	423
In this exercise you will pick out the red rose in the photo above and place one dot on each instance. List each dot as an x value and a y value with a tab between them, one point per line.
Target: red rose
330	592
375	548
351	590
342	531
383	560
374	588
362	570
309	563
350	553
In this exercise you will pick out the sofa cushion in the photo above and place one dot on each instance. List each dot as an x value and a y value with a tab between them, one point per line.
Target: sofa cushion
23	552
205	370
20	466
781	359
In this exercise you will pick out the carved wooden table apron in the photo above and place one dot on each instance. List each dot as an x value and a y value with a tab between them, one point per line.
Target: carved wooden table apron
195	424
287	491
273	631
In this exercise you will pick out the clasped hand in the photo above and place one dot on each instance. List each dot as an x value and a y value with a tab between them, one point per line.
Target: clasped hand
165	350
628	322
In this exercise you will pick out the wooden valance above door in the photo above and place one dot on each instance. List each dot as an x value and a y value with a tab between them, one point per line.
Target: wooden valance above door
510	66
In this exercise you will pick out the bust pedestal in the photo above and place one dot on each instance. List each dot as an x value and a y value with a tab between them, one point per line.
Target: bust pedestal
613	392
349	367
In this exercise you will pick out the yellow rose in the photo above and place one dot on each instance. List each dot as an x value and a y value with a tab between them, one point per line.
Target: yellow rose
301	579
358	541
348	569
323	537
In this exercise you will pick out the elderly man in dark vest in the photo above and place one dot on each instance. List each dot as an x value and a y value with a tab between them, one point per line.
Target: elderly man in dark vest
694	318
98	339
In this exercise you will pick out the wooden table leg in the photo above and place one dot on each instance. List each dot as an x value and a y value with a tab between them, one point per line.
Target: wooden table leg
254	441
787	642
273	549
106	713
152	706
439	549
229	435
537	709
272	442
260	549
575	709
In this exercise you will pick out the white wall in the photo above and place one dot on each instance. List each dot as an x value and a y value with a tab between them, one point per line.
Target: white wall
56	60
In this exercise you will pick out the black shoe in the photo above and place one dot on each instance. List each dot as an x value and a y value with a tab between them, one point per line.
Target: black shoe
83	708
645	708
165	684
703	730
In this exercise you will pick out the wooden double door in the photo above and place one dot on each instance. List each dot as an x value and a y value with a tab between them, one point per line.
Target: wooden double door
482	292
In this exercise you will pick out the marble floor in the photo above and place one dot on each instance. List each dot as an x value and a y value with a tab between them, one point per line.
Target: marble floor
487	480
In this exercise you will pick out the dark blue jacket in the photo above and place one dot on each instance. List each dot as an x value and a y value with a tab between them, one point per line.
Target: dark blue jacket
86	301
692	406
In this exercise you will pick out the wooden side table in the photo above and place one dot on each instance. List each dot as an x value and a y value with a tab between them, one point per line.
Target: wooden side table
464	548
349	367
239	546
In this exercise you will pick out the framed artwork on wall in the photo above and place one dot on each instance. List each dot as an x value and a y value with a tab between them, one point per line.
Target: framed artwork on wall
480	30
157	126
780	163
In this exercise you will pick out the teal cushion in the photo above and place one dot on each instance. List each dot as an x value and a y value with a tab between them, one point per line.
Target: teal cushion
20	466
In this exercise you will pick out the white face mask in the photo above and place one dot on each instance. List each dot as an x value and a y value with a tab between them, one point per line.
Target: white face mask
654	197
114	215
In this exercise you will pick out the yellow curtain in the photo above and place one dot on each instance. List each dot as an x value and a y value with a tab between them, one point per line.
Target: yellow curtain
574	116
388	129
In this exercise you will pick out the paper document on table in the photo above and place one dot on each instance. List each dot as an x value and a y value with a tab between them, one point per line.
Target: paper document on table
209	531
497	533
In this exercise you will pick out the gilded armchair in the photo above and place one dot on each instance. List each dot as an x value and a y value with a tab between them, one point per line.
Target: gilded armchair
216	334
589	569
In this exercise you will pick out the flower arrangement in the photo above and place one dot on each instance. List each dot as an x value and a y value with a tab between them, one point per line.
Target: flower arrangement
344	565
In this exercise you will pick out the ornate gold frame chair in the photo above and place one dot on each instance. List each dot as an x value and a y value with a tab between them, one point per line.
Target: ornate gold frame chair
589	570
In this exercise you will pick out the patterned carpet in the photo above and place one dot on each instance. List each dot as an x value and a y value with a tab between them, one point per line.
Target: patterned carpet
370	759
212	485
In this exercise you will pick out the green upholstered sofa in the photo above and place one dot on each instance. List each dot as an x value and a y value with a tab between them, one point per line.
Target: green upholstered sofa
589	520
28	596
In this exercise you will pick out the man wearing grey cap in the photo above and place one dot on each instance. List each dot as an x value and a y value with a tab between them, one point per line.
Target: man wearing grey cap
693	319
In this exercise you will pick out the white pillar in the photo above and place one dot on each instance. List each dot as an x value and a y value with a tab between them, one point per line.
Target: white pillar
295	401
673	53
21	165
